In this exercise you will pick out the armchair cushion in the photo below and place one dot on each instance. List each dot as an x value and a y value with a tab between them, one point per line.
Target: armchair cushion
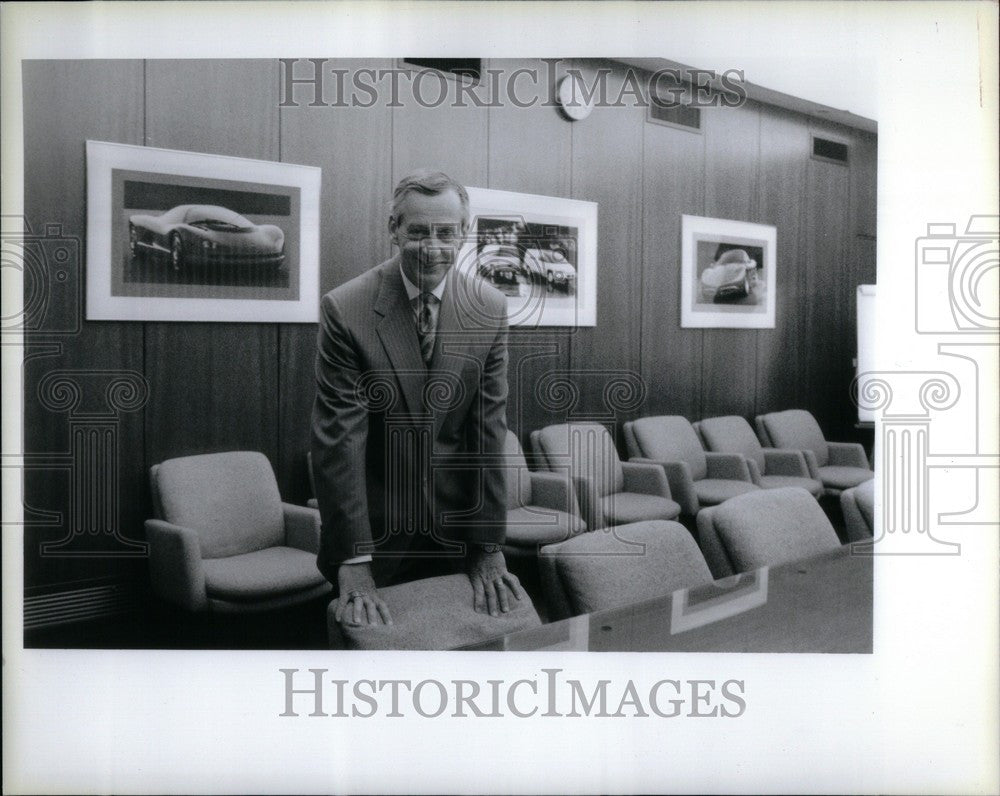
732	434
843	477
858	505
261	575
528	526
430	614
712	491
230	499
667	438
635	562
763	528
587	449
629	507
796	429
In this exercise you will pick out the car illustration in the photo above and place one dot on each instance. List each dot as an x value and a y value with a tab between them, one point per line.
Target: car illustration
731	276
500	264
206	234
550	266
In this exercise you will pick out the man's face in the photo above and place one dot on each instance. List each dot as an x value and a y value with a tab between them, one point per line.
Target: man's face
429	232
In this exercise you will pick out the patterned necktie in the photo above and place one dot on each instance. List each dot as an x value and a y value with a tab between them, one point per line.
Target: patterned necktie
427	325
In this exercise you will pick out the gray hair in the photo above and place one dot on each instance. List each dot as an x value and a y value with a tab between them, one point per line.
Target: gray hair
429	183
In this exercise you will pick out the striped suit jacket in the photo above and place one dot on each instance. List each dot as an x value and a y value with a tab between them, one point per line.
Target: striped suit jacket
407	456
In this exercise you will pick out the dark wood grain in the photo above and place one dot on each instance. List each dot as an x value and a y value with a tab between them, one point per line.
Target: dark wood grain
607	169
673	184
784	152
65	104
213	386
729	356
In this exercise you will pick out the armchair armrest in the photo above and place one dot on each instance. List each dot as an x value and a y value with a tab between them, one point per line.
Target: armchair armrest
301	527
848	454
553	491
754	470
728	466
812	465
647	479
785	462
589	502
175	567
680	482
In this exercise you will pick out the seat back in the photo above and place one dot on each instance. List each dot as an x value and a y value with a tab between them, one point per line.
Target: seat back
764	528
796	429
587	449
230	499
668	438
595	571
516	473
731	434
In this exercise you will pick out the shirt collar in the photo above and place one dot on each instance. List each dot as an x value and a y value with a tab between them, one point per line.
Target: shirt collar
412	291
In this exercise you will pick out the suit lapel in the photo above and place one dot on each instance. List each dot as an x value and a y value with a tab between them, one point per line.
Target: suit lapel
398	334
449	358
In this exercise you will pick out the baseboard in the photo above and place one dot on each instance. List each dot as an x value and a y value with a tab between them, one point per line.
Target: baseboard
81	604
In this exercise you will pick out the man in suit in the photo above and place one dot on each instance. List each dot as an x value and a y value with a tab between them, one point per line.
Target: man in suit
410	415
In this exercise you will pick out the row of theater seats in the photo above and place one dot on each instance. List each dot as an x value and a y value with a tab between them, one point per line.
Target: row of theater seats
224	541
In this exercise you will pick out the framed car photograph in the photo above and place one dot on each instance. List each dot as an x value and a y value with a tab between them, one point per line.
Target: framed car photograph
727	273
540	251
187	236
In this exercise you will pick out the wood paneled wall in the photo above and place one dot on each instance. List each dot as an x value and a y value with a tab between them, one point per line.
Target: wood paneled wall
214	386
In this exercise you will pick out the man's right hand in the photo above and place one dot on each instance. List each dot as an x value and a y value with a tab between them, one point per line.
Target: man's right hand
359	602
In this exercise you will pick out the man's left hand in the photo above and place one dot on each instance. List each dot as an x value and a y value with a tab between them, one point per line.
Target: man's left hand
492	584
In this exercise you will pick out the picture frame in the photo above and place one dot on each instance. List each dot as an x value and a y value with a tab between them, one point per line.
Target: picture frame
540	251
188	236
728	273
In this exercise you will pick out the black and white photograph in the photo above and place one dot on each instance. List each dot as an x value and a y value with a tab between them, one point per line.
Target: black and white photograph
539	251
728	269
195	237
604	410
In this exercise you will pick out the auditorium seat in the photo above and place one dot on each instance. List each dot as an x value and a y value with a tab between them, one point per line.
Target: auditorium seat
763	528
769	468
696	478
222	539
430	614
858	505
609	491
837	465
619	565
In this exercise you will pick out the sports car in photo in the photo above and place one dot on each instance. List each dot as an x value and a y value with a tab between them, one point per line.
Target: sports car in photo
206	234
551	267
730	277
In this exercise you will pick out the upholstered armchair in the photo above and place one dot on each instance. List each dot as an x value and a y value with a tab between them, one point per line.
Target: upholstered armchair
541	506
626	564
430	614
609	491
222	539
858	506
763	528
837	465
696	478
769	468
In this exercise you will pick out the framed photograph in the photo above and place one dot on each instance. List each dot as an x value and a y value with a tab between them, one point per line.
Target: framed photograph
727	274
185	236
540	251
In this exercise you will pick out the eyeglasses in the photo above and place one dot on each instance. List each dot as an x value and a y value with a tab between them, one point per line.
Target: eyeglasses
447	234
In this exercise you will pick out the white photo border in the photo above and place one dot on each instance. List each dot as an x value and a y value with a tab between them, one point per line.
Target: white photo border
104	157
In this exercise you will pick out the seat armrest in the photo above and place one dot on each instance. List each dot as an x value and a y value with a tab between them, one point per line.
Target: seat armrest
785	462
711	546
646	479
589	502
848	454
754	470
302	527
553	491
812	465
727	466
175	567
680	482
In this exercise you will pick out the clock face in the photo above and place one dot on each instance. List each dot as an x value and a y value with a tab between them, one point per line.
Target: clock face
571	96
